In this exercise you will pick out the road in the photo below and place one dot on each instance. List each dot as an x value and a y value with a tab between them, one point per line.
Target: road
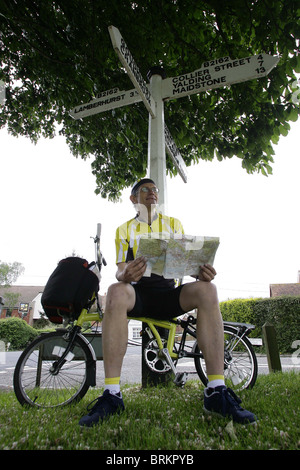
131	372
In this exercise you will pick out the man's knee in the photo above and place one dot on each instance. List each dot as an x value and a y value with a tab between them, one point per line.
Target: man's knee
119	294
207	291
198	294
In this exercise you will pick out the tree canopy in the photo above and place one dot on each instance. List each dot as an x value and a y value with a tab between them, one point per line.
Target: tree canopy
9	272
56	54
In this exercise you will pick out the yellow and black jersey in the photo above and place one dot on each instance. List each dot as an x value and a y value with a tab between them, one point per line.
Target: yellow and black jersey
128	236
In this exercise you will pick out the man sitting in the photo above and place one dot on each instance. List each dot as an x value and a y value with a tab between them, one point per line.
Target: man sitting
136	295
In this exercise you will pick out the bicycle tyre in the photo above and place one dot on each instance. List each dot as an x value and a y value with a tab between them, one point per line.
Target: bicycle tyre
36	385
240	362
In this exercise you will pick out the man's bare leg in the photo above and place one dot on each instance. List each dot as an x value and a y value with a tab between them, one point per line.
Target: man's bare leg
210	336
120	300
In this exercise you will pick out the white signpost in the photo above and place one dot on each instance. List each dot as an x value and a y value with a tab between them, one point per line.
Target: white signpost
132	69
107	100
214	73
175	155
218	73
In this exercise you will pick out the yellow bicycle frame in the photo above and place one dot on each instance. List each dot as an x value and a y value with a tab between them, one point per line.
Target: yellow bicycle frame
168	325
86	316
153	324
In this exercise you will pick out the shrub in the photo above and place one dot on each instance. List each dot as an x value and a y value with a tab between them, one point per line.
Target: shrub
282	312
16	332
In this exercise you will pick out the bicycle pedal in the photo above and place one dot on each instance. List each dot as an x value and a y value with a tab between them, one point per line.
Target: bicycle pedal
180	379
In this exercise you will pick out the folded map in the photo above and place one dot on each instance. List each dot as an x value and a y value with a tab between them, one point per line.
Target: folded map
176	257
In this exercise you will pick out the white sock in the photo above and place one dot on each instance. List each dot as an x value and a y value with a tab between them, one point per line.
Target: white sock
113	388
215	383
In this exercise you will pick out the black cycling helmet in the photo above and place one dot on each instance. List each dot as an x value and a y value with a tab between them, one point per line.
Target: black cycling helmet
139	183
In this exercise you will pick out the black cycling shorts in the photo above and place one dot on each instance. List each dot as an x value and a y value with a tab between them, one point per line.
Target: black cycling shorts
156	303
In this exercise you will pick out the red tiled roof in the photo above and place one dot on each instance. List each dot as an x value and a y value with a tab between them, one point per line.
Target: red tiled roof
277	290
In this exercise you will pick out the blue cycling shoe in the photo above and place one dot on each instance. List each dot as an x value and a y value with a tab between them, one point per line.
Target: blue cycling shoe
105	406
223	401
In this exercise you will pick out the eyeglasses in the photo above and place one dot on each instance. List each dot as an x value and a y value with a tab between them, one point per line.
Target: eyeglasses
145	189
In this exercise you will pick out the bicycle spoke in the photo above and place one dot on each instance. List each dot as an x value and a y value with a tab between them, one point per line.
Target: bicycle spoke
41	381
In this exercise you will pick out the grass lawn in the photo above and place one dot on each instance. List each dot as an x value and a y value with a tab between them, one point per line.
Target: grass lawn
166	418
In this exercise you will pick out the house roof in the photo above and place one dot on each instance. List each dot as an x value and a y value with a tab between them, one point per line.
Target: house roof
26	293
277	290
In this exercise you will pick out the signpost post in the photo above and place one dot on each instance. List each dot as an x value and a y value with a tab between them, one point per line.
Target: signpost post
156	140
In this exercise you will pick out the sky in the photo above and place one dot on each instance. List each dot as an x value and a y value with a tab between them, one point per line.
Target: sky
49	209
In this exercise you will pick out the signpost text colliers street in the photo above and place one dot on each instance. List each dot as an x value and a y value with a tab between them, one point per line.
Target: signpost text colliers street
212	74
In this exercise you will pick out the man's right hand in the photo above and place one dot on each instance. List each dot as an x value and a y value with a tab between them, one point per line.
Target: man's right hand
132	271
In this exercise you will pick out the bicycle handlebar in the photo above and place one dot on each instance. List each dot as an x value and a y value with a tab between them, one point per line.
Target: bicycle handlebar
98	255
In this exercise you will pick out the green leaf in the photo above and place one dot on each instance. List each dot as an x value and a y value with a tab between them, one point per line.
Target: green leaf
293	115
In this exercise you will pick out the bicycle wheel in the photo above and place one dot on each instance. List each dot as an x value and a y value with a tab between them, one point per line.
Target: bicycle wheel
37	382
240	363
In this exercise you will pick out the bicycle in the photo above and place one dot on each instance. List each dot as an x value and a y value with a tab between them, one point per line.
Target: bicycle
58	368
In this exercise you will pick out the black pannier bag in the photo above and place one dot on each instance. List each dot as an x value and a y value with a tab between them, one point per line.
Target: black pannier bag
69	289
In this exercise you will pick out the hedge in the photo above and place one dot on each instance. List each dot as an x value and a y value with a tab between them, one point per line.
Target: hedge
282	312
16	332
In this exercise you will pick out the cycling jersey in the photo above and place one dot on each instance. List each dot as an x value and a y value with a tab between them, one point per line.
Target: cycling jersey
128	236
